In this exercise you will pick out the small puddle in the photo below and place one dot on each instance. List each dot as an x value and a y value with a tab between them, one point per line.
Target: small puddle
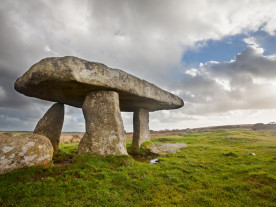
154	161
146	159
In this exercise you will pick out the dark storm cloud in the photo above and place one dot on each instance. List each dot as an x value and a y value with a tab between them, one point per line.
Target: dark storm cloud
15	58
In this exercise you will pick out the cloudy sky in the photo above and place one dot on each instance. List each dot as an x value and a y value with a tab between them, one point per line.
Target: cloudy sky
219	56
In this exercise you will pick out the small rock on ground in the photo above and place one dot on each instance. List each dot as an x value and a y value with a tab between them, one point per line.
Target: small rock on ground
163	149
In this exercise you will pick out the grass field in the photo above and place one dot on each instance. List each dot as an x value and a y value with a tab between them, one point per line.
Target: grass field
216	169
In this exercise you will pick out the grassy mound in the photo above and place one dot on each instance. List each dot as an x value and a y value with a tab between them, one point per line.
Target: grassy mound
216	169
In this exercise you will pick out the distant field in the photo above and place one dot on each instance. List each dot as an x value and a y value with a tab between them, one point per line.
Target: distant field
67	136
218	168
27	132
15	133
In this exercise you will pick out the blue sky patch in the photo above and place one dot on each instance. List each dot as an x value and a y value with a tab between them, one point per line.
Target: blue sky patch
227	48
266	41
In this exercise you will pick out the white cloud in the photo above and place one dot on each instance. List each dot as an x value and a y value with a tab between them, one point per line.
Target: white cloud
218	89
251	41
144	38
135	36
2	93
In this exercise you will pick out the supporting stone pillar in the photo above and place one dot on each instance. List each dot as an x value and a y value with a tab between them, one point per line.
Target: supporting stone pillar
50	125
141	132
104	126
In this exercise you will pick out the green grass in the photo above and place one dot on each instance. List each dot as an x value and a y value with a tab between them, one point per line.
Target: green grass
214	170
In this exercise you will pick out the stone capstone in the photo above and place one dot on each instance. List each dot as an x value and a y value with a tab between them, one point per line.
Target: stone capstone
141	132
50	125
68	80
24	150
104	126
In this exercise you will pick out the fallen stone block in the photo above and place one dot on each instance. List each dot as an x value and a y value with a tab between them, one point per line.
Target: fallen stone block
163	149
23	151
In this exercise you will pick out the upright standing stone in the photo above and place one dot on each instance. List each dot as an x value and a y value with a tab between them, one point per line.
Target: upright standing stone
141	132
50	125
104	125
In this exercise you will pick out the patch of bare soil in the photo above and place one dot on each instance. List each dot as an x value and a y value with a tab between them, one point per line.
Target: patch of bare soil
64	163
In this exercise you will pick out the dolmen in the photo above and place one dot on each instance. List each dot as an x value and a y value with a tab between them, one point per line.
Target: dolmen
102	93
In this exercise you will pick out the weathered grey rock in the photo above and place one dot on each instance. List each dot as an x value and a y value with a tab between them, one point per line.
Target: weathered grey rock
69	79
141	132
163	149
50	125
104	126
24	150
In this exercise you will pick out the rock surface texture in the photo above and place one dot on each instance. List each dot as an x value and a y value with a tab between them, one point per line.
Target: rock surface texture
141	132
68	80
50	125
104	126
24	150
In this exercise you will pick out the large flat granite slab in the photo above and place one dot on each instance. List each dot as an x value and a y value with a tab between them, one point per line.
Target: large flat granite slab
69	79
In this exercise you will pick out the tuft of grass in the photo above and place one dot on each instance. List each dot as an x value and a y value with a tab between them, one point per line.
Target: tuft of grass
146	144
216	169
142	153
